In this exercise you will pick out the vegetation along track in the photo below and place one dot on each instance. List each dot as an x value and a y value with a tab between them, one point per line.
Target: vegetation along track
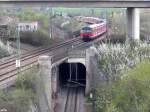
73	100
8	68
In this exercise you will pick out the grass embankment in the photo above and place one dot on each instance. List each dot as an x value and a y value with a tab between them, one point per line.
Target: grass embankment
23	95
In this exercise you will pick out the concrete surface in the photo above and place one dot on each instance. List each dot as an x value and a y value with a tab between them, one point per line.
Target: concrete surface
44	87
133	23
79	3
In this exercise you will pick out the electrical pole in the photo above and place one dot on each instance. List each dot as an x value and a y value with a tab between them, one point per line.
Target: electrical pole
92	12
76	72
50	22
70	71
18	47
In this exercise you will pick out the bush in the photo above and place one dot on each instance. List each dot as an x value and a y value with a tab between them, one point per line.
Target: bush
113	59
30	15
20	98
3	52
16	101
37	38
73	25
129	94
27	80
127	88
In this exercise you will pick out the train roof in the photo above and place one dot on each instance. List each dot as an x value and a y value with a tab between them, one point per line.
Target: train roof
98	24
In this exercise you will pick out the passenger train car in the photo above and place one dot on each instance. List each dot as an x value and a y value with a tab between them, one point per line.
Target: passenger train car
92	31
95	27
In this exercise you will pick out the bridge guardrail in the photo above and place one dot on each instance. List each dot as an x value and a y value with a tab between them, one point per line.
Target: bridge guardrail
77	53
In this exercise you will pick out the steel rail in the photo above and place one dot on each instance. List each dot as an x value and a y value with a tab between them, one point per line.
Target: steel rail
11	70
24	55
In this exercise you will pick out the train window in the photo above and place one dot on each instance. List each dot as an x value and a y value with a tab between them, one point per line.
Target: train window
86	28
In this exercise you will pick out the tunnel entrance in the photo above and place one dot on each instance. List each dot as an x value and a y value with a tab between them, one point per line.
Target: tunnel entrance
72	74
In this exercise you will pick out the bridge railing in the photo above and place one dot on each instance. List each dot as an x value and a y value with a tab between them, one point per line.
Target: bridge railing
77	54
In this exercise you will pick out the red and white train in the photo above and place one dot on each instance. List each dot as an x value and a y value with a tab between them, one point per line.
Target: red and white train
96	27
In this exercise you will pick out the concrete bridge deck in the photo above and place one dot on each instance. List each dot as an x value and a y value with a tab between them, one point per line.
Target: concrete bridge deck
80	3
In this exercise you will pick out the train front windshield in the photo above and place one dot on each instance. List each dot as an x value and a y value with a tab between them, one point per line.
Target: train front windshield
86	29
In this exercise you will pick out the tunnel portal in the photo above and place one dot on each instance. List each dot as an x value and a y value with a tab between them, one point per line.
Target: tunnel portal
72	73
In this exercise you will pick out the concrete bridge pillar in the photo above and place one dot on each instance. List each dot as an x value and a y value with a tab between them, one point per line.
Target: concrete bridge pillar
133	23
89	76
44	88
55	81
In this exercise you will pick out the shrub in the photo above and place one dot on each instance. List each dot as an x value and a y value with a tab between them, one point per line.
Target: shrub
3	52
20	98
37	38
127	88
15	101
30	15
115	58
135	84
27	80
128	94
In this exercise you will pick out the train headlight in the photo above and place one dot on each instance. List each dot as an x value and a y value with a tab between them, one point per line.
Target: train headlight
3	110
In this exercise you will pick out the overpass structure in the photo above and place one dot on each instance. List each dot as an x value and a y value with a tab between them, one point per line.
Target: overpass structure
81	3
133	14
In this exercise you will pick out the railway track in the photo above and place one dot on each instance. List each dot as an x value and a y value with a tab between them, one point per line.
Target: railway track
36	51
73	101
8	68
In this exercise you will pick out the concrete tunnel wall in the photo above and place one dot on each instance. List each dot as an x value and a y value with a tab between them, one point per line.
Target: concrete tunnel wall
50	81
89	69
76	70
